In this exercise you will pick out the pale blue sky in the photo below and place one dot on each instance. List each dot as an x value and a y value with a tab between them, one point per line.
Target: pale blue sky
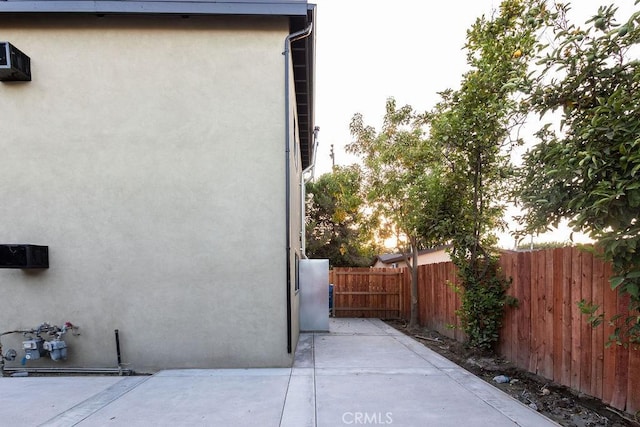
370	50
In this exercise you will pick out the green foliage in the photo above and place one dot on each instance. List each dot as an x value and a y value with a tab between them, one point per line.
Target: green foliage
589	170
590	310
483	303
472	127
403	184
337	228
402	172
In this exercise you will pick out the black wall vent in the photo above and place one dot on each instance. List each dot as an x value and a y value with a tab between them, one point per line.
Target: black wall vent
14	65
24	256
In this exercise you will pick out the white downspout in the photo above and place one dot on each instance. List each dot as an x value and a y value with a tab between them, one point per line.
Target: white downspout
287	93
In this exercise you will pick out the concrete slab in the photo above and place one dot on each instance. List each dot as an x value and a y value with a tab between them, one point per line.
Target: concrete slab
364	351
340	326
304	352
401	399
219	398
362	372
34	400
300	405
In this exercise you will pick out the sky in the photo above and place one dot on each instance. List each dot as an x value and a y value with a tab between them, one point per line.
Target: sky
368	51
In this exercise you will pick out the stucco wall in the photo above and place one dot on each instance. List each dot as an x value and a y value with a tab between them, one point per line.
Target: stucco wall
148	154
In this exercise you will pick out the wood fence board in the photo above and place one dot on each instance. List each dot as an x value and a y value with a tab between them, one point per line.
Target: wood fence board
426	284
373	300
619	398
597	333
513	344
557	285
576	325
450	313
535	315
609	362
446	306
549	308
437	319
513	311
586	330
425	300
504	345
453	275
449	280
567	318
437	297
401	294
524	312
432	283
633	395
407	294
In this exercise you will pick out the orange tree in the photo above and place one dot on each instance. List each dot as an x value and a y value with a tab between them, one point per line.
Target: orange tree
472	126
589	170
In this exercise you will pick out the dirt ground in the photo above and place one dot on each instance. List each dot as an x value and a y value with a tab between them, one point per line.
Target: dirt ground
557	402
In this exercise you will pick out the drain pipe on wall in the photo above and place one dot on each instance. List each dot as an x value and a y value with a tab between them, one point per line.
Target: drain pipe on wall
303	193
287	93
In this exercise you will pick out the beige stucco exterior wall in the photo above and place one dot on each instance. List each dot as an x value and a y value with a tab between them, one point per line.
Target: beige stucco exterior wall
148	154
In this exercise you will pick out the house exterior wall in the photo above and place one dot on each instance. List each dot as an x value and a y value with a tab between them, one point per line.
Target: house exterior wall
148	154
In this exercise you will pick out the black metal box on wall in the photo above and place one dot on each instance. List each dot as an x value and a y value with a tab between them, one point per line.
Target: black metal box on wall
24	256
14	64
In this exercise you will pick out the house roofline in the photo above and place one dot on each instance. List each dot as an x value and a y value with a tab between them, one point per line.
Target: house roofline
400	257
255	7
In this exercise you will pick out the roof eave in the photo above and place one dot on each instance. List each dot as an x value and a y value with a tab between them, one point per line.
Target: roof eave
157	7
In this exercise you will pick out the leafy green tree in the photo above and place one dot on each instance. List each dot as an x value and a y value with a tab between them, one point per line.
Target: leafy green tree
402	182
473	127
589	170
337	228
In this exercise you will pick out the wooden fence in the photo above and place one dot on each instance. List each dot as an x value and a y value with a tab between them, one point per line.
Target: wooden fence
546	334
365	292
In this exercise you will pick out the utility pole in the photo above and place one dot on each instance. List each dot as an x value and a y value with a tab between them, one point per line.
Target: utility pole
333	158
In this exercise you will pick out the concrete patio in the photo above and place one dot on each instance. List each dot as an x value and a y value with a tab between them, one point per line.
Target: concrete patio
363	372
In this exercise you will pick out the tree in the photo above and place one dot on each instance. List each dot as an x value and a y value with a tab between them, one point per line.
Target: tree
473	126
337	228
402	182
588	171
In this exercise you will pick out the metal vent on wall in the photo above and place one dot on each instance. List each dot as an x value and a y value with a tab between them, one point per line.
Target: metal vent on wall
14	64
24	256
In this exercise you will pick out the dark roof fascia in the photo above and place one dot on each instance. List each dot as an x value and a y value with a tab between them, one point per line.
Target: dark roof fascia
229	7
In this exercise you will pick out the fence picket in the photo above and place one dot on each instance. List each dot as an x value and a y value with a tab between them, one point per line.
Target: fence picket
558	321
576	317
